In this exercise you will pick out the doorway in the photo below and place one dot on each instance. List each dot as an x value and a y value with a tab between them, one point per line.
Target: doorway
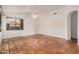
72	24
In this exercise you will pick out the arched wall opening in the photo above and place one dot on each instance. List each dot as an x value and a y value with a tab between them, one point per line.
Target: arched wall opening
73	26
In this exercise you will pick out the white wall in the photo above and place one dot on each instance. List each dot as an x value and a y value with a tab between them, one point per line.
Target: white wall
53	25
0	37
57	25
28	27
74	24
36	26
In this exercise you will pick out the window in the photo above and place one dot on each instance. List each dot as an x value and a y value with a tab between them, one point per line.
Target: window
14	23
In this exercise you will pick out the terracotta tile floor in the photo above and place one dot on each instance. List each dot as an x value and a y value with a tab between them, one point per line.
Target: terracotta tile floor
38	44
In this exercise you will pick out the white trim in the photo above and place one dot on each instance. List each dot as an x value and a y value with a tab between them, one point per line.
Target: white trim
69	25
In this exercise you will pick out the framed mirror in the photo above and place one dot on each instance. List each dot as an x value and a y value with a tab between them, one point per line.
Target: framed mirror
14	23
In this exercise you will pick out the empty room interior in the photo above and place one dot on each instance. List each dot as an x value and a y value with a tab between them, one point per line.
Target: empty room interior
39	29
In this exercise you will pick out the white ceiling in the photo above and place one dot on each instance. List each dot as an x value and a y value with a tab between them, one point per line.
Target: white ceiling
24	9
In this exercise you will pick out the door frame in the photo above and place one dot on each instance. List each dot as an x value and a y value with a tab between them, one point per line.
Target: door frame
69	24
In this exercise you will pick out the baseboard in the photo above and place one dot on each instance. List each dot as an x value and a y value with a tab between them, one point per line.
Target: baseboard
38	35
52	36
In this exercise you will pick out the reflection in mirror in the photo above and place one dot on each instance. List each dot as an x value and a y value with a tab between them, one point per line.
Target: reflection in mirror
14	23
